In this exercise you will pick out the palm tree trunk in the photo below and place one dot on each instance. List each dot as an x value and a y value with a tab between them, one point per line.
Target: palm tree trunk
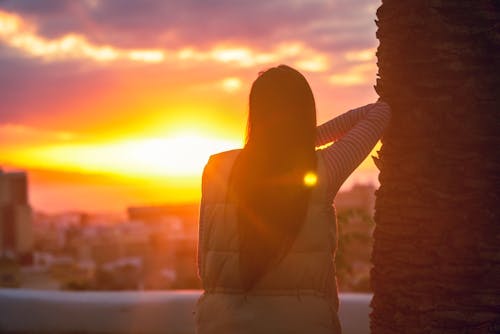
436	252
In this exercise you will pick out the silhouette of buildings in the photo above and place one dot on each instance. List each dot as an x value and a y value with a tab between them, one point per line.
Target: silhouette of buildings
154	247
16	230
172	244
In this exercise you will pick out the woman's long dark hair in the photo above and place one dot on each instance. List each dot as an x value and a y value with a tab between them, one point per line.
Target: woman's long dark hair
267	180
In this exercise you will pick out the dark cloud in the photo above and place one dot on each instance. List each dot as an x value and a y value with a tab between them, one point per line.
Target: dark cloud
31	87
52	18
37	8
171	24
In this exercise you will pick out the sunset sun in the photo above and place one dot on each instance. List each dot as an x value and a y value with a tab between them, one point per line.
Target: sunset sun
178	155
184	154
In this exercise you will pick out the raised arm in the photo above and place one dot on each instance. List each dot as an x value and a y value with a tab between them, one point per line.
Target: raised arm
357	132
335	128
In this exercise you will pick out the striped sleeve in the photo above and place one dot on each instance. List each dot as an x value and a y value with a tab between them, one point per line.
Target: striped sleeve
335	128
355	134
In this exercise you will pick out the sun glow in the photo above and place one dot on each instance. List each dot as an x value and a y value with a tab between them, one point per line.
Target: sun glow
231	84
182	155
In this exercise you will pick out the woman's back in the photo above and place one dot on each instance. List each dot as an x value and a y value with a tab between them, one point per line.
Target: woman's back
268	238
297	295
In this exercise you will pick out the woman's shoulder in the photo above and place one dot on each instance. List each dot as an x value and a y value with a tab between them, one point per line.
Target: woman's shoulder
218	161
217	171
224	155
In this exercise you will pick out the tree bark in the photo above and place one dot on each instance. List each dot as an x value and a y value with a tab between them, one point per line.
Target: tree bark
436	251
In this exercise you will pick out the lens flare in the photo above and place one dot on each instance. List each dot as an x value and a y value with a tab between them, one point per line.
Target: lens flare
310	179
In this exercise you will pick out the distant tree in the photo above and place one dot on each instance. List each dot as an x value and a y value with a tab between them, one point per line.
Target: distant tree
355	227
436	251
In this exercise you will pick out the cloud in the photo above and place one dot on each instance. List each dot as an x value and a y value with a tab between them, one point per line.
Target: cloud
170	24
19	34
63	59
17	133
47	89
152	30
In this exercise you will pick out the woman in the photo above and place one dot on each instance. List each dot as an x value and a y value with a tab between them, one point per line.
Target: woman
267	225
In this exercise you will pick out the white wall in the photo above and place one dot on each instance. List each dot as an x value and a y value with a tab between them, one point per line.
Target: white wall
167	312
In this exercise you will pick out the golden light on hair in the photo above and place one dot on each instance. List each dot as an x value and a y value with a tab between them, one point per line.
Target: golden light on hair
310	179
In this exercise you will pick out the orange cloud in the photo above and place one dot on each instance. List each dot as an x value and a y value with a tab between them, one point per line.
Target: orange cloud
360	70
17	134
18	33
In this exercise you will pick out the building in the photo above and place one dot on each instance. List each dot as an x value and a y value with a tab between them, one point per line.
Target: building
359	197
187	214
172	244
16	229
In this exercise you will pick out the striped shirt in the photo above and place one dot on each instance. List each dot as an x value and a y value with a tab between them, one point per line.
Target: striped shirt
354	134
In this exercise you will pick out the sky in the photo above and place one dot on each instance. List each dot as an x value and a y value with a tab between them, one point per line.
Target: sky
115	103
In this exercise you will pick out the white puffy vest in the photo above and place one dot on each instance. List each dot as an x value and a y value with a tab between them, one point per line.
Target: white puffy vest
298	295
